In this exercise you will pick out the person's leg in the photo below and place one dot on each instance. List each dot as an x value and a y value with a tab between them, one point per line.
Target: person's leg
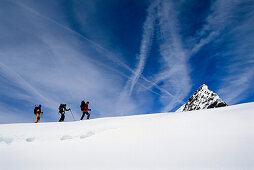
82	116
62	118
88	115
37	118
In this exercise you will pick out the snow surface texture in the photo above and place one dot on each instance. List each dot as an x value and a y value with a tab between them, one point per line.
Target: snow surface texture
203	98
220	138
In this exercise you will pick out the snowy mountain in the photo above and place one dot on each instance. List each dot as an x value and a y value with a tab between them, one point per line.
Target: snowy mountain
203	98
206	139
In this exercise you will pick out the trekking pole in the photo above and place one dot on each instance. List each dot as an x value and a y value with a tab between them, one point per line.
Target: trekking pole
72	115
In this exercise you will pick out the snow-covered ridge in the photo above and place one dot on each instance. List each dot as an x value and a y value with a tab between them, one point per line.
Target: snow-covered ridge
203	98
206	139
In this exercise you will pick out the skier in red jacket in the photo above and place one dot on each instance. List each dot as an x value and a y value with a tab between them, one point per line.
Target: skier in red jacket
84	109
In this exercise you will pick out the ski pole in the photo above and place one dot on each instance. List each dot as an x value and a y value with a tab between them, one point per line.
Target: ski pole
72	116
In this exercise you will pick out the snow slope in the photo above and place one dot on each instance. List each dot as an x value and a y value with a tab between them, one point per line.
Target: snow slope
220	138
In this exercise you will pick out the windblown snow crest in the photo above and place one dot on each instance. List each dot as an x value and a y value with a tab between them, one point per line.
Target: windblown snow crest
203	98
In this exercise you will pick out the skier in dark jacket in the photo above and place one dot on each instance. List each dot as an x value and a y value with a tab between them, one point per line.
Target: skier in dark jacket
84	109
37	112
62	109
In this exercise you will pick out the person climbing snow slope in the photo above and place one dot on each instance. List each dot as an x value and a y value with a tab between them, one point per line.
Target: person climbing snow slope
62	109
84	109
37	112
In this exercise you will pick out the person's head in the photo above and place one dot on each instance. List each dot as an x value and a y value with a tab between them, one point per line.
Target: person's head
39	105
87	102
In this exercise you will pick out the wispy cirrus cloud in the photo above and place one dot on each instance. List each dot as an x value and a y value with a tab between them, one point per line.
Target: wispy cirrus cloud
227	29
146	43
240	82
220	16
230	26
51	69
17	80
175	73
144	49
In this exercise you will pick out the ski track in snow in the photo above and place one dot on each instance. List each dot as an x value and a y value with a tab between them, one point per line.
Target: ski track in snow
65	137
37	136
87	135
30	139
6	140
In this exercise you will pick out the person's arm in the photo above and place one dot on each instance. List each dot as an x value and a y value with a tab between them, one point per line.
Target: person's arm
88	109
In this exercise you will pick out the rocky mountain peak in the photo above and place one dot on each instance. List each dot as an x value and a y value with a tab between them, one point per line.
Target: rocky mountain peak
203	98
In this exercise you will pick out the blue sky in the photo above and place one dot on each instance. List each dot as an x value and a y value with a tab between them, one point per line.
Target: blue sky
125	57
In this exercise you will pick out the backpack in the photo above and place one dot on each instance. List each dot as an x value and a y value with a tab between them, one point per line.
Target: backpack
61	107
82	105
36	109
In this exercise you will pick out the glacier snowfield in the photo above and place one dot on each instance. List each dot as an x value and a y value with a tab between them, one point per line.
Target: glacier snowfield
221	138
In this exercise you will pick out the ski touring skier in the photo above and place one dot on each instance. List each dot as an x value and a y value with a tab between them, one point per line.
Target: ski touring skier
84	109
37	112
62	109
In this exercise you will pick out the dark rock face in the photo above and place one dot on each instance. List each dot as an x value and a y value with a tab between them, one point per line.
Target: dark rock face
216	104
203	98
